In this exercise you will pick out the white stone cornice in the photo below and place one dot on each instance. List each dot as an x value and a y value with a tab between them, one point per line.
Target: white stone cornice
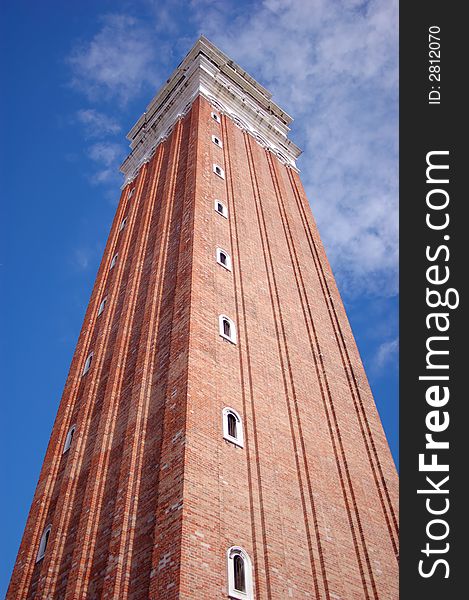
206	71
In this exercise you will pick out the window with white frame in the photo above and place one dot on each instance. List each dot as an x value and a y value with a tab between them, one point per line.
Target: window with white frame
123	224
221	208
132	192
43	543
102	305
217	141
227	328
69	438
233	427
239	565
215	117
88	360
224	259
218	171
113	261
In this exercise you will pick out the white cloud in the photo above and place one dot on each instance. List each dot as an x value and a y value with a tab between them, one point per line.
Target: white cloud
97	124
107	156
118	61
333	65
81	258
386	353
105	153
114	65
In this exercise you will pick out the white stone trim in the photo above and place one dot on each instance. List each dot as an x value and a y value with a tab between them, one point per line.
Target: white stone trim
226	266
69	438
102	305
87	366
217	141
207	72
232	591
239	439
43	543
114	260
224	212
232	337
218	171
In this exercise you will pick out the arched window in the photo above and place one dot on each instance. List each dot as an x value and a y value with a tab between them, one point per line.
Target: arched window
233	427
221	208
102	305
215	117
217	141
88	360
43	543
239	574
123	224
218	171
113	261
227	328
224	259
69	438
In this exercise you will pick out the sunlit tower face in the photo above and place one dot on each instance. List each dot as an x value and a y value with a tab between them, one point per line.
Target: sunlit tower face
217	437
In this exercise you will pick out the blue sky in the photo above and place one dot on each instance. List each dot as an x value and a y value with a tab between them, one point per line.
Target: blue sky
76	76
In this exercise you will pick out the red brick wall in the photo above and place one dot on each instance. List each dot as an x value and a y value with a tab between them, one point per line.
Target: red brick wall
312	496
150	496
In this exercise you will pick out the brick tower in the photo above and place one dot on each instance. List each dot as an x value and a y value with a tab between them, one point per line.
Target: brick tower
217	437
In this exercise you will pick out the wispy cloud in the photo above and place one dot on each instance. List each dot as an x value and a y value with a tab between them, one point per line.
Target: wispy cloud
386	354
117	62
86	255
111	69
105	153
331	63
97	124
81	258
107	156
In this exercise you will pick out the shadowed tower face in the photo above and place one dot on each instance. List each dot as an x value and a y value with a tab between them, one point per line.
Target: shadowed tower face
217	437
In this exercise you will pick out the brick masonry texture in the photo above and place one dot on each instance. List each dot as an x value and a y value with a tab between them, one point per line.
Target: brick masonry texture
149	497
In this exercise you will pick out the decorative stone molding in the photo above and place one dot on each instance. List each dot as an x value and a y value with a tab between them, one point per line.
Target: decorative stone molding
206	71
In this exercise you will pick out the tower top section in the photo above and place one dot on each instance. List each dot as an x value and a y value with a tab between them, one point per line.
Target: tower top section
208	72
